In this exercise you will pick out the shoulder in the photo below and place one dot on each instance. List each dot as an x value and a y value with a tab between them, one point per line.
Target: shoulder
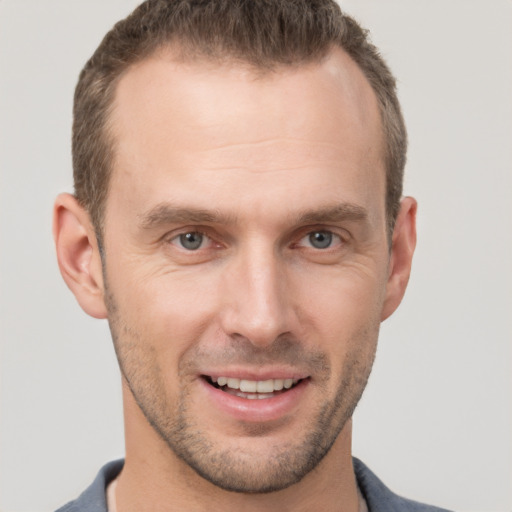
381	499
93	498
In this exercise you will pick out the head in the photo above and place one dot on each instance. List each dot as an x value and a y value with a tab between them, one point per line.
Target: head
238	220
264	35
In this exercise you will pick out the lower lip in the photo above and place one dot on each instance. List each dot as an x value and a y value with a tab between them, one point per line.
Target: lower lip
256	410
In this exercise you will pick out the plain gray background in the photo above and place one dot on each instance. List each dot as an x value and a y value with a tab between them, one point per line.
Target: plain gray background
435	422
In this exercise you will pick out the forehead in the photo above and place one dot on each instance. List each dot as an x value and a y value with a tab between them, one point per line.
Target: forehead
183	121
202	94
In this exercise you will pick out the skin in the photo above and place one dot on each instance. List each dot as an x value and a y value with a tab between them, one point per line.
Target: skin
271	158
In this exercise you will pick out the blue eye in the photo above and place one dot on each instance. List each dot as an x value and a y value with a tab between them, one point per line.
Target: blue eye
191	241
320	239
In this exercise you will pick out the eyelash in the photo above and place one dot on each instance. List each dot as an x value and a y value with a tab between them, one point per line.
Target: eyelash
175	239
335	240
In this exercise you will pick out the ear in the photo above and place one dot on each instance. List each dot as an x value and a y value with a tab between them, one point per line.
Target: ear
78	254
402	249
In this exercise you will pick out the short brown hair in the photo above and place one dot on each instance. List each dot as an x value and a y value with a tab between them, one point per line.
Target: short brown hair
262	33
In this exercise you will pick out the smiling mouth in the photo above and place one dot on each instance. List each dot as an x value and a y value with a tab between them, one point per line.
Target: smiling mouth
252	389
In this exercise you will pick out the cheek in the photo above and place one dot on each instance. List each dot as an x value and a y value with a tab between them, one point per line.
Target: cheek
341	310
341	296
168	311
157	321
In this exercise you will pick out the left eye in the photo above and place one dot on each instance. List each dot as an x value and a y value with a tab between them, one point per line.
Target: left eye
191	241
320	239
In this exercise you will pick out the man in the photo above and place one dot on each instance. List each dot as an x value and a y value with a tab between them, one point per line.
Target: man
238	219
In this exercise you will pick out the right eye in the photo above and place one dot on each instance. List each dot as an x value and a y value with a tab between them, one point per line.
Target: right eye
191	241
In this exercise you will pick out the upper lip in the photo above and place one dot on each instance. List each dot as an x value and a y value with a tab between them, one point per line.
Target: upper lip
257	375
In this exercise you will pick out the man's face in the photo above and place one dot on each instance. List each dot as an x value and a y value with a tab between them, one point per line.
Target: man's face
246	252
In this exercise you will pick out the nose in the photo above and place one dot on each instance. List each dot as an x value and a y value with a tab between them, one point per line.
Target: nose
257	302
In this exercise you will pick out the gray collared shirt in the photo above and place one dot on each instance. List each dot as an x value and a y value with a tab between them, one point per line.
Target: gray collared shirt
377	496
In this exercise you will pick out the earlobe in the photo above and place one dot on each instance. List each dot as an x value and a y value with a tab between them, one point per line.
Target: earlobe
402	250
78	254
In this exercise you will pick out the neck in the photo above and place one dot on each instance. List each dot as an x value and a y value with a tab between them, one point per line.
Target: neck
154	479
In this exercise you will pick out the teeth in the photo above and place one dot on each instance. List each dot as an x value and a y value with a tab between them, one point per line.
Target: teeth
233	383
265	386
278	384
248	386
255	386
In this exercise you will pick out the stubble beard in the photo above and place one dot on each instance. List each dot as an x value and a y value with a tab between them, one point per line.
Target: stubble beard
246	472
231	469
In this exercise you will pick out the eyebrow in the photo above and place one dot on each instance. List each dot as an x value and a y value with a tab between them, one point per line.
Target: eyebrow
165	213
168	214
338	213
